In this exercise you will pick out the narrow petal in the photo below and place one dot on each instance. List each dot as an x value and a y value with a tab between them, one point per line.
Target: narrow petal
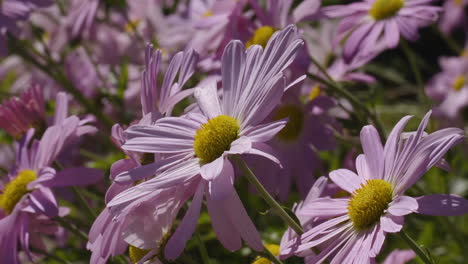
221	186
264	132
373	150
391	224
346	180
207	99
176	243
79	176
403	205
442	205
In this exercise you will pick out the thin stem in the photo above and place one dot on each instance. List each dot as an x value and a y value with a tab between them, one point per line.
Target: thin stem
340	90
56	73
83	201
415	247
267	253
451	43
201	247
51	256
72	228
415	69
277	209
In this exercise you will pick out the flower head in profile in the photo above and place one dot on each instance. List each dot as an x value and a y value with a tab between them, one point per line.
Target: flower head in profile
196	147
450	87
356	226
371	26
27	201
19	114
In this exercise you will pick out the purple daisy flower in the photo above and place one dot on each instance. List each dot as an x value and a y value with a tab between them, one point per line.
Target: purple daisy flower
450	87
19	114
27	196
355	227
199	143
454	15
107	237
81	16
371	26
309	130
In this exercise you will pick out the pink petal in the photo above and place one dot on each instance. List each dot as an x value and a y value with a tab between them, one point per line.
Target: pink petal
403	205
75	177
391	224
373	150
442	205
346	180
176	243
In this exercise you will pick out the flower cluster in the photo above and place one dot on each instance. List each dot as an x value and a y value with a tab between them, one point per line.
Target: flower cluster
229	131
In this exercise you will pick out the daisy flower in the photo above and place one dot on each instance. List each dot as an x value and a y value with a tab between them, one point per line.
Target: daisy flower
454	15
355	226
450	87
199	144
371	26
309	130
19	114
105	236
27	202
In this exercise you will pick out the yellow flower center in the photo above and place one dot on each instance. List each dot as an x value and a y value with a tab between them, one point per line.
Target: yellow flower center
369	203
132	25
15	190
458	2
382	9
458	83
314	92
136	254
208	13
293	128
274	249
215	137
261	36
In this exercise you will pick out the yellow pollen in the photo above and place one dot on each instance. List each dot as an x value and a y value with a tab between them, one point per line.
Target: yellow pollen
15	189
261	36
458	83
132	25
293	128
458	2
208	13
215	137
382	9
314	92
136	254
274	249
369	203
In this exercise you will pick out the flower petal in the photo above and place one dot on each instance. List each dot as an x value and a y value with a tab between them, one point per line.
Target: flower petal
442	205
346	180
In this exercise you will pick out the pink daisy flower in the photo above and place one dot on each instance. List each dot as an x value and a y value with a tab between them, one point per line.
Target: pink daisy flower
355	227
106	237
19	114
309	130
371	26
27	202
450	87
199	143
454	15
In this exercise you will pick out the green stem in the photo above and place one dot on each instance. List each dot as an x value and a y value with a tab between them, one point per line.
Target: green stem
451	43
340	90
83	202
201	247
415	247
271	257
56	73
50	256
415	69
276	208
72	228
